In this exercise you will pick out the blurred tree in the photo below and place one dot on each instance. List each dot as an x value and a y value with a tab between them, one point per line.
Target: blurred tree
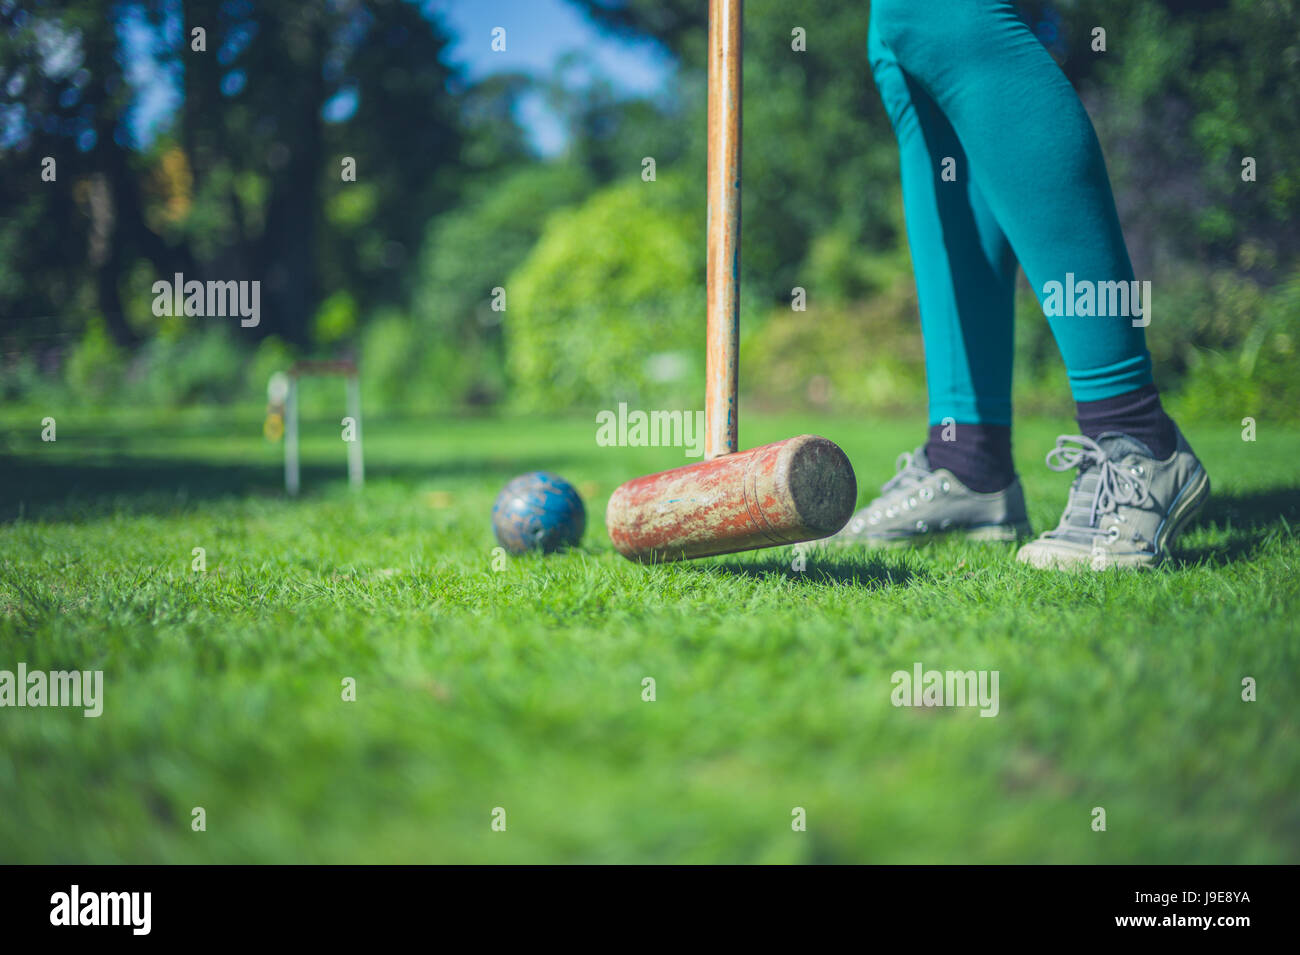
1185	90
302	87
239	176
68	180
815	135
407	138
492	139
611	135
244	181
678	24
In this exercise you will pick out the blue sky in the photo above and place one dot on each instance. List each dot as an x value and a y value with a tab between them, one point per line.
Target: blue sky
538	33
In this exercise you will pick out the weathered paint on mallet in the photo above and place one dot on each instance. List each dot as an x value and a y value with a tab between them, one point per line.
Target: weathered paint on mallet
795	490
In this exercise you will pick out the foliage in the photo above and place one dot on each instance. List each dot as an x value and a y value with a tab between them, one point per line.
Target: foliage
1182	97
95	366
1182	94
392	360
609	285
242	177
1254	375
243	180
817	143
866	357
468	253
271	355
205	366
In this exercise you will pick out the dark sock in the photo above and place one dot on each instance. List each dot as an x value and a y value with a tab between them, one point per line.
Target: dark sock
979	455
1137	414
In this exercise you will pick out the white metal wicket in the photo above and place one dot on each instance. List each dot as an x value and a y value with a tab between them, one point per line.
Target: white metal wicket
282	391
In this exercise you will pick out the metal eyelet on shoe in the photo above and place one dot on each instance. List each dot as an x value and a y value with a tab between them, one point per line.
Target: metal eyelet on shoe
922	526
946	487
926	494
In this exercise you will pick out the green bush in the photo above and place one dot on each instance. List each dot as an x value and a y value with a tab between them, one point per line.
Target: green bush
203	366
1221	346
1253	374
610	289
470	251
272	355
94	368
861	357
169	370
392	363
21	381
336	319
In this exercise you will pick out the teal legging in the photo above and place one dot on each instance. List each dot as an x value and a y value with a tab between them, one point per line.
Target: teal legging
969	81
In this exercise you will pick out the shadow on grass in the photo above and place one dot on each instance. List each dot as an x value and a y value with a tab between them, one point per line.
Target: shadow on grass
1247	519
140	485
847	569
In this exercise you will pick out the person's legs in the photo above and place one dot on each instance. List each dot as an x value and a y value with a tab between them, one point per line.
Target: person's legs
962	479
965	279
1037	163
968	78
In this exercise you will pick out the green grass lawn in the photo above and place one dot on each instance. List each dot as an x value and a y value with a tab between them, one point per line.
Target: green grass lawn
521	688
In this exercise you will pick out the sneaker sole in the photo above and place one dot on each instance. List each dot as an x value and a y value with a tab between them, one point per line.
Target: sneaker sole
1189	503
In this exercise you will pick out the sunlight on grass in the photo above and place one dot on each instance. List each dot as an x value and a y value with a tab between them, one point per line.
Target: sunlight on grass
523	689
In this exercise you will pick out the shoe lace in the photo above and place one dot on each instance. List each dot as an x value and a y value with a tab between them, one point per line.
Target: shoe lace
1111	488
908	474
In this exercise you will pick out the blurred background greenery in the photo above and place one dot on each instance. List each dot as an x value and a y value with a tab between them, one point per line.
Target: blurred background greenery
225	164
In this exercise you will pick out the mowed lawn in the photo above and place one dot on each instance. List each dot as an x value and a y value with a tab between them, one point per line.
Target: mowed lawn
521	688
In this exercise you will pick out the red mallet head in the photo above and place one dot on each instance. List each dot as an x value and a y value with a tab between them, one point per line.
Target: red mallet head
794	490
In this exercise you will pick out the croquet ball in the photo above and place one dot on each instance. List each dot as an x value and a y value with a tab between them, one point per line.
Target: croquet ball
538	511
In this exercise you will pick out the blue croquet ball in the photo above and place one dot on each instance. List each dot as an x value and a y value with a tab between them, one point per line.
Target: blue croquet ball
538	511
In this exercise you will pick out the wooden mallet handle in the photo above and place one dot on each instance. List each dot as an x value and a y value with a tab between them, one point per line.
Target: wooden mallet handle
795	490
723	274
